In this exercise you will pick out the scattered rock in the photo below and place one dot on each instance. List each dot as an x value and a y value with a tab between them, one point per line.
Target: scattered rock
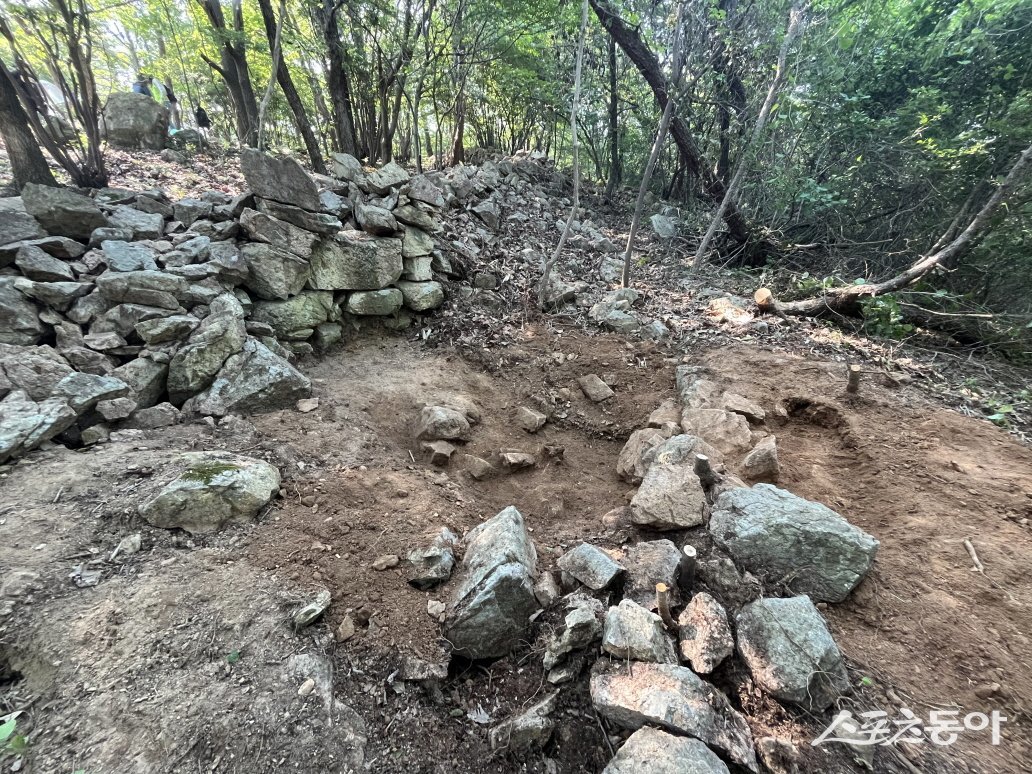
732	401
657	752
670	497
761	464
439	452
62	211
490	609
213	489
513	460
704	634
478	467
790	652
385	562
631	465
531	420
787	539
440	423
313	611
594	388
726	431
530	730
649	563
582	628
25	424
433	565
634	633
591	566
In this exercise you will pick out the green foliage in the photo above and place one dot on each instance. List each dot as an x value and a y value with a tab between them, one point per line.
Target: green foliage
11	742
883	316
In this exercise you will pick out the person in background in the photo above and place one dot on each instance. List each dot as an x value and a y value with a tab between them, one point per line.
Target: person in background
166	97
143	85
173	105
203	122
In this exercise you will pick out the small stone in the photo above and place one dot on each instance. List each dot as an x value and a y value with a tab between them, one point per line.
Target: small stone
634	633
761	464
439	452
591	566
778	755
705	637
531	420
346	630
433	564
657	752
440	423
435	609
547	589
478	467
532	729
741	405
385	562
594	388
516	460
311	612
306	687
306	405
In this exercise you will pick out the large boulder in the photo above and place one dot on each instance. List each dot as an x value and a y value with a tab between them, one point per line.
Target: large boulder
16	224
252	381
790	652
670	497
786	539
675	699
490	610
150	288
390	175
25	424
278	233
657	752
280	179
214	488
132	120
146	378
219	335
354	260
63	212
40	266
273	274
19	317
317	222
303	312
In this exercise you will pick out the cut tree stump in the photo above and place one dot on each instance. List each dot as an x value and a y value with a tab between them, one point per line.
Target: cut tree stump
853	379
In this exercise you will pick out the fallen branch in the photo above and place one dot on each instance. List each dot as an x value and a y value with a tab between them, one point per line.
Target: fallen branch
979	567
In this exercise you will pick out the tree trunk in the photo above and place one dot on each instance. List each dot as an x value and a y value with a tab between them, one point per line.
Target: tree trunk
337	78
629	39
614	127
27	161
846	300
297	107
233	67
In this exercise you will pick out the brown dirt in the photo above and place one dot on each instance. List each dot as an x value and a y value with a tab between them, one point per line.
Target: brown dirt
179	660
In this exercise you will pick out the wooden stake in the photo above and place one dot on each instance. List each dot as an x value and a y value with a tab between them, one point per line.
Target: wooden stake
663	605
686	569
853	379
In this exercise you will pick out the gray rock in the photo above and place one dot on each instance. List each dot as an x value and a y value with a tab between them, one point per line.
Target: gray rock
213	489
63	212
58	246
304	311
704	634
725	430
189	211
732	401
594	388
440	423
670	497
529	730
651	751
327	335
354	260
132	120
25	424
416	243
16	224
375	220
316	222
19	317
761	464
530	419
490	213
114	409
422	189
142	225
790	652
678	450
83	391
219	335
101	235
346	167
86	308
675	699
253	381
636	634
94	434
56	295
153	205
419	269
787	539
278	233
37	265
421	296
374	302
433	564
390	175
591	566
280	179
36	370
146	378
272	273
630	465
154	417
123	256
163	329
489	611
582	628
413	216
151	288
664	226
122	320
649	563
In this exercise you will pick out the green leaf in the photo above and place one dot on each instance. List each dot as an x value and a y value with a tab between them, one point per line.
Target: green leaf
8	725
233	656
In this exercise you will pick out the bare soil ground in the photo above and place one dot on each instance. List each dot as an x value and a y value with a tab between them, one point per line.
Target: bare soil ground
182	659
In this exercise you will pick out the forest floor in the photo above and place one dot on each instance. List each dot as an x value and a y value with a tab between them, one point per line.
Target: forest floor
181	659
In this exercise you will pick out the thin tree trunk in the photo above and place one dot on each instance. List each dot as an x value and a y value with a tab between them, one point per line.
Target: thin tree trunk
28	164
277	60
796	22
546	275
846	300
297	107
614	126
629	39
337	78
657	146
